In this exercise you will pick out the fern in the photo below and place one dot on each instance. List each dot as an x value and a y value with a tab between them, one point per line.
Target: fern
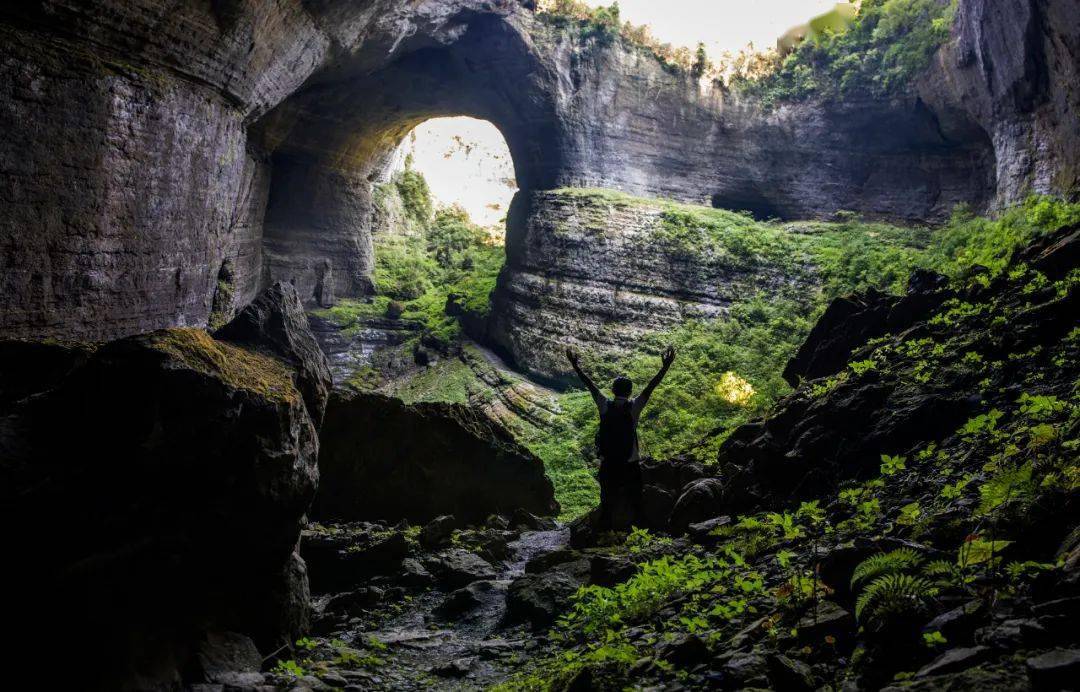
886	563
944	573
893	594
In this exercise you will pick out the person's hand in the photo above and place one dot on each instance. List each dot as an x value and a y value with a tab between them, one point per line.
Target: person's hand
668	356
572	356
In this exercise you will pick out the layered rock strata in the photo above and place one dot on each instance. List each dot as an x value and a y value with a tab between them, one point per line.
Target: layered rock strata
590	268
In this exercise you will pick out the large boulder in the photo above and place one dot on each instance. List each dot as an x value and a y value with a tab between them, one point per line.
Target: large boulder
159	486
276	324
700	500
850	321
383	459
539	598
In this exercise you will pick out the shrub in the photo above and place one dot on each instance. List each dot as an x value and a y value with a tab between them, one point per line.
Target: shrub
888	43
402	270
415	195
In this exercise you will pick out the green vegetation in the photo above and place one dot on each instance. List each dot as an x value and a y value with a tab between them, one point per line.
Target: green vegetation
439	258
604	25
728	369
888	43
691	410
415	195
976	507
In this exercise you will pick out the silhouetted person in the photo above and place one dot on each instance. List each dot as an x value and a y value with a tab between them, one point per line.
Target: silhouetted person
617	443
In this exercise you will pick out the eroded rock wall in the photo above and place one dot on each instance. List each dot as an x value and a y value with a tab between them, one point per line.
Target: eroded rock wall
634	126
592	268
124	171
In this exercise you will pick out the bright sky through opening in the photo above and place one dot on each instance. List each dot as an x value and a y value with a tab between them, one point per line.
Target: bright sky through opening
466	162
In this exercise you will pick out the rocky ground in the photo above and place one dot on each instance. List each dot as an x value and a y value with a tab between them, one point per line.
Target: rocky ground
437	619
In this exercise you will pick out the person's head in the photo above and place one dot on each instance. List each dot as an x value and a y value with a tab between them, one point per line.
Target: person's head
622	386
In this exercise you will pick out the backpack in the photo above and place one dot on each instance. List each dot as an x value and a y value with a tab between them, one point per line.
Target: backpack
617	433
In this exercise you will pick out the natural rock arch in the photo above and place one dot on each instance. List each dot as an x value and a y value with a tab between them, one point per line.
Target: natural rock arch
333	139
150	143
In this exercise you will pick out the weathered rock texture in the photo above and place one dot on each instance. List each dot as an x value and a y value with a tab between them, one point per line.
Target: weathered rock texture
158	485
148	143
589	268
382	459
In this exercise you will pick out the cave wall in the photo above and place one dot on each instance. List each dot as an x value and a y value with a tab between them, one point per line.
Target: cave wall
125	175
1014	68
633	126
147	144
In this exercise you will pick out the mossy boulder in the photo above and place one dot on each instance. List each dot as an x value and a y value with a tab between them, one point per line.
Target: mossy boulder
159	482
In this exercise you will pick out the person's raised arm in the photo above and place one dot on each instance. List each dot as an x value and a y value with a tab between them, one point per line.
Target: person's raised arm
575	362
668	357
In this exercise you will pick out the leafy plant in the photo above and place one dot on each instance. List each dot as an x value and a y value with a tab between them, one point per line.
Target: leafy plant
934	639
290	668
909	514
891	595
881	564
1010	484
976	550
891	465
1039	406
981	424
861	367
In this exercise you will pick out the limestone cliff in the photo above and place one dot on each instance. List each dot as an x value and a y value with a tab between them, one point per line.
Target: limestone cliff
156	151
600	269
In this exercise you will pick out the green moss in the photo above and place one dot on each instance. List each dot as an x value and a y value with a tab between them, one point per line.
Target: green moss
350	314
222	305
450	380
237	367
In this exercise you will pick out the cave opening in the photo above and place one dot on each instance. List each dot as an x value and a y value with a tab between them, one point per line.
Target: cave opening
439	205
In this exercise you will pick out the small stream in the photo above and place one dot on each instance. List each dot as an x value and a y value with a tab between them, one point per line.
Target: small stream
463	652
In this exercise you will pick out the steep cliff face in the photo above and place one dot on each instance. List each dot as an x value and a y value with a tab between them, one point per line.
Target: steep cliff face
127	181
155	151
600	269
1013	69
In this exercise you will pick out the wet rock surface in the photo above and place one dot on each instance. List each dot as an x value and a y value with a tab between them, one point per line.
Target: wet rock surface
449	632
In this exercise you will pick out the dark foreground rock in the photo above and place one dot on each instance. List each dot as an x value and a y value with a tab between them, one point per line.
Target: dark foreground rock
383	459
159	486
539	598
